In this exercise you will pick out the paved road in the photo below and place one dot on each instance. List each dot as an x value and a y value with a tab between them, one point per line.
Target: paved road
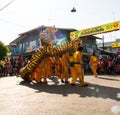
101	97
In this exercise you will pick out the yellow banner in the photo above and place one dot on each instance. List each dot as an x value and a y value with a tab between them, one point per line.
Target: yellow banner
116	45
96	30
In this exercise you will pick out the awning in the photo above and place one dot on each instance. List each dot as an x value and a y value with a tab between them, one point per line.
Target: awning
103	51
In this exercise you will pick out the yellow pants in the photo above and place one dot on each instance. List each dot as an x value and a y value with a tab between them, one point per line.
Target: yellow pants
57	70
64	75
94	69
38	77
32	76
44	74
77	72
48	70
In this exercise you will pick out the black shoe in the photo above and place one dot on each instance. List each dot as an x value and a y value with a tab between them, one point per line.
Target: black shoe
62	81
73	84
85	85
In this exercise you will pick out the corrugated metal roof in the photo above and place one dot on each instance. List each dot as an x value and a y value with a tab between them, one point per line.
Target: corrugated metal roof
22	35
40	27
16	40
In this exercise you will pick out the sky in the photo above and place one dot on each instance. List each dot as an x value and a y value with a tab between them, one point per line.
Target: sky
18	16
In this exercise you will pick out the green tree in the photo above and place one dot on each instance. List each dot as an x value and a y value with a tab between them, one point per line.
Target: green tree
3	50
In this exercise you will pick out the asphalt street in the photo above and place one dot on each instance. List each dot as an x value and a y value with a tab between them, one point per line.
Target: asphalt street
100	97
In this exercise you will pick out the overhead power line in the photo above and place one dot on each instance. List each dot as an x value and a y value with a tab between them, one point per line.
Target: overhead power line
6	5
15	24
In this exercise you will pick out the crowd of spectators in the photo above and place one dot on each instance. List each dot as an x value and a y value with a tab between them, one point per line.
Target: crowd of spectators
107	65
11	66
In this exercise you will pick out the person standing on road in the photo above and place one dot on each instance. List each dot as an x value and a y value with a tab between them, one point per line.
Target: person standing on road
64	64
94	64
77	69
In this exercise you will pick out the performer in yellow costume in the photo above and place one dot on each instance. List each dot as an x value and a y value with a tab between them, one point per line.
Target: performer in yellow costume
94	63
48	67
32	76
71	63
64	64
52	60
57	66
37	74
38	77
78	68
43	71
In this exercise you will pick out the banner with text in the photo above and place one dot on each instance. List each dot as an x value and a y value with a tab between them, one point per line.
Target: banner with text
96	30
116	45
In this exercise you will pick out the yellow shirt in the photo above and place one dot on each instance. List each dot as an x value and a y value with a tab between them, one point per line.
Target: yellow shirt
94	59
77	58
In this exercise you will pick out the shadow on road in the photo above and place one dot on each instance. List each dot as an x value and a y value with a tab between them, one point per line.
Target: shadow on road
108	79
93	90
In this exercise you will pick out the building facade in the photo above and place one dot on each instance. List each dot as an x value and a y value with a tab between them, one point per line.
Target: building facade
29	41
107	47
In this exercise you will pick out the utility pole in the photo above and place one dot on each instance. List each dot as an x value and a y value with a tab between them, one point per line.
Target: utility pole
103	43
